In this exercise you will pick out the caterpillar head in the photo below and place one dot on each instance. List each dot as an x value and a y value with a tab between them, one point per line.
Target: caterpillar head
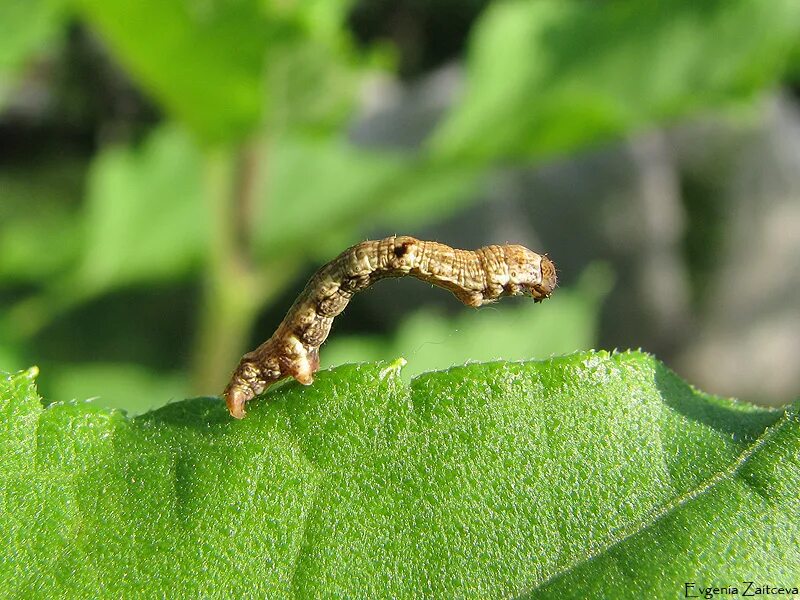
549	279
530	273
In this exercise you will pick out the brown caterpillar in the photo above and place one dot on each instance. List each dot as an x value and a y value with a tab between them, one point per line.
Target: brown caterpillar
476	278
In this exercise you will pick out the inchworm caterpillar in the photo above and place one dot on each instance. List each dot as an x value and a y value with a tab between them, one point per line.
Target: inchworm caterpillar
475	277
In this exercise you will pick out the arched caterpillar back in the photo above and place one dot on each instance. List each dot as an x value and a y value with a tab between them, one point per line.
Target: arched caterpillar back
475	277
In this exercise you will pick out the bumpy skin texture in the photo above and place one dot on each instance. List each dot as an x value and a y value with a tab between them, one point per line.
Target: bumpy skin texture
475	277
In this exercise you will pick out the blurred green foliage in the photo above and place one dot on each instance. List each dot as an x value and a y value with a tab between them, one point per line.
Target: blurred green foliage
131	387
224	67
249	174
123	244
549	77
25	28
40	220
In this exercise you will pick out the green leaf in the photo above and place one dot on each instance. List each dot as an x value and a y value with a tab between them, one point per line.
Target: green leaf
202	61
322	192
308	88
221	67
484	480
551	76
145	214
26	27
37	203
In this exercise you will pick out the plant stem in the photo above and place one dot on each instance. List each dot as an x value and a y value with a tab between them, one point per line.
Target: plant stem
235	291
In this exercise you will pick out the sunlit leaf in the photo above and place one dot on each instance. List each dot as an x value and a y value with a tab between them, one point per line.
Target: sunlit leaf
145	215
321	192
548	477
202	60
551	76
221	67
26	27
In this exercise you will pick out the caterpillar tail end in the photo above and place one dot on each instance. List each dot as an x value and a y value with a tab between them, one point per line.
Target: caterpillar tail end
259	370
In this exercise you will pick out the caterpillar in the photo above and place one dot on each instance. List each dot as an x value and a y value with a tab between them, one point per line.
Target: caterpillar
475	277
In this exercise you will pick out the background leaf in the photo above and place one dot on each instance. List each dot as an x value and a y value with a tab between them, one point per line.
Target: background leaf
145	215
221	67
202	61
497	477
549	77
25	27
329	190
130	387
39	204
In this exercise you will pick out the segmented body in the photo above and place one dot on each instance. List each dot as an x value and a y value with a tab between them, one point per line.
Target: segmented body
475	277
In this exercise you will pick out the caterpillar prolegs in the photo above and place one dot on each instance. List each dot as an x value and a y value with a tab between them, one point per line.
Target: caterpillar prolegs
475	277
